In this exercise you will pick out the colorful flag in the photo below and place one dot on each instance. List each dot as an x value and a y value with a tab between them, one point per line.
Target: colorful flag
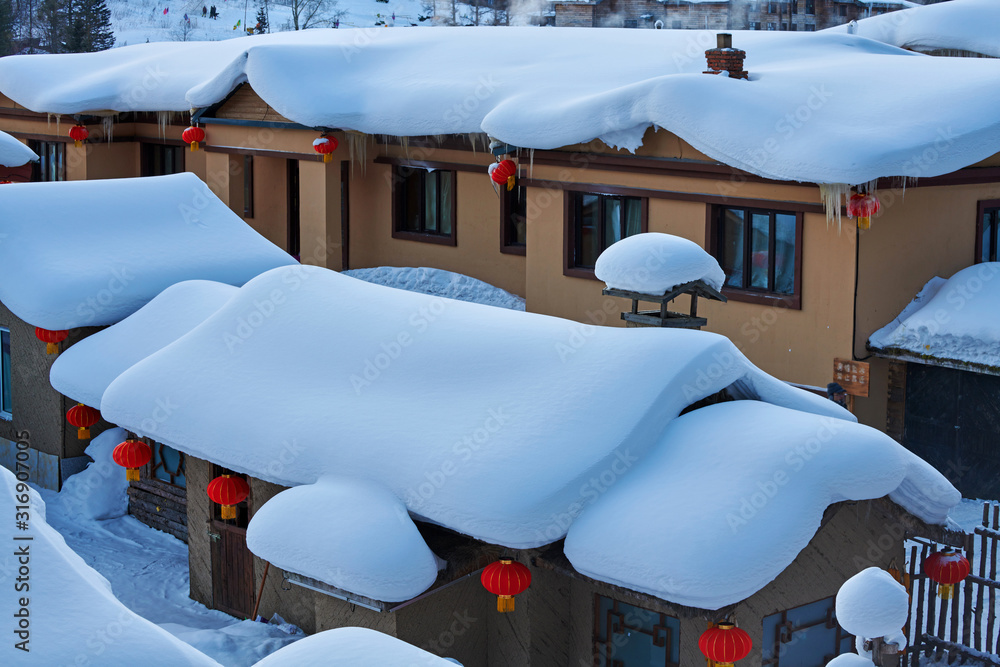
167	9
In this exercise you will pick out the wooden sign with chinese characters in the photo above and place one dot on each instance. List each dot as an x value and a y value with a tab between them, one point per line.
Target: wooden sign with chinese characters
852	376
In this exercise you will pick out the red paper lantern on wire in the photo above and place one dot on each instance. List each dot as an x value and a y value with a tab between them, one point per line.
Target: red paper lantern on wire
725	644
325	146
193	135
505	579
863	207
132	455
228	491
78	133
947	567
504	173
50	338
83	417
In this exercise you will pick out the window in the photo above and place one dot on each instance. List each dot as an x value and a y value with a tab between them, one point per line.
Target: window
5	404
631	23
842	10
771	26
772	8
810	27
807	636
754	25
627	636
167	465
811	7
248	186
52	165
760	252
676	25
513	220
424	204
784	26
795	6
595	222
988	231
161	160
294	234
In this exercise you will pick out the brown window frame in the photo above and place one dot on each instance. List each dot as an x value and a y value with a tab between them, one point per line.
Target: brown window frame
248	186
830	622
43	168
151	158
508	234
156	462
570	267
713	240
981	208
668	635
400	173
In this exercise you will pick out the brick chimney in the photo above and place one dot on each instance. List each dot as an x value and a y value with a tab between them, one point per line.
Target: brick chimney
724	58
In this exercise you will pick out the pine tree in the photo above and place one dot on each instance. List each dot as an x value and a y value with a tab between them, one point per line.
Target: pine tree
88	26
52	22
6	27
261	21
102	37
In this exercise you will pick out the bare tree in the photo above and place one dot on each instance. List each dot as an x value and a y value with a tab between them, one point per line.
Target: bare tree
312	13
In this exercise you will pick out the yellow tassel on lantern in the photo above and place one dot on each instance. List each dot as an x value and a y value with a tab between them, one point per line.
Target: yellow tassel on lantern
945	591
78	143
510	182
82	433
864	222
132	474
194	146
228	512
327	157
505	603
51	348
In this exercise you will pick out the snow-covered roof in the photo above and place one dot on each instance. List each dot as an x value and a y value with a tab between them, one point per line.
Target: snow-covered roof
955	320
654	263
798	118
495	423
13	153
71	611
956	25
89	253
438	282
353	647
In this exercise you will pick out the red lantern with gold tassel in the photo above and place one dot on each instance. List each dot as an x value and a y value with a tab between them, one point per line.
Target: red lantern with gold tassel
863	207
83	417
947	567
228	491
725	644
50	338
325	146
193	135
505	579
79	134
504	173
132	455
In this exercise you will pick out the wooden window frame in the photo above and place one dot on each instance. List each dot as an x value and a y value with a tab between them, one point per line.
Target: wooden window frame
570	196
248	186
399	175
840	635
981	208
156	463
669	639
7	414
508	243
761	297
38	172
147	157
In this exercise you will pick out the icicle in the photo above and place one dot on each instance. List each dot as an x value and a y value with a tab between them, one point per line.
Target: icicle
108	123
357	144
531	163
832	195
163	119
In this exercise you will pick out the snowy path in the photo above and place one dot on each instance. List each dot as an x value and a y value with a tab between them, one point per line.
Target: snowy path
148	571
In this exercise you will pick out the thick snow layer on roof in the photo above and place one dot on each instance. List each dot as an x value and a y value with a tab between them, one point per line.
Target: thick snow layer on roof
477	417
850	660
353	534
13	153
798	118
872	604
744	482
653	263
956	319
438	282
86	369
960	25
71	612
89	253
353	647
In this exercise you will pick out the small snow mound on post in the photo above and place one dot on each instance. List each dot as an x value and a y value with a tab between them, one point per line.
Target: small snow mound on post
872	604
850	660
653	263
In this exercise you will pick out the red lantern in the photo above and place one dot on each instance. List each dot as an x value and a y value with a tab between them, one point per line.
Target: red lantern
79	134
505	579
325	146
83	417
228	491
132	455
725	644
192	136
50	338
947	567
504	172
862	207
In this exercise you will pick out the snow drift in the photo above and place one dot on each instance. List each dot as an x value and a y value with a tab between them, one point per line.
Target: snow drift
438	282
13	153
353	647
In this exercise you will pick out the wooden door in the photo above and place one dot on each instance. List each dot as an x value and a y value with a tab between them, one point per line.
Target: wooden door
232	562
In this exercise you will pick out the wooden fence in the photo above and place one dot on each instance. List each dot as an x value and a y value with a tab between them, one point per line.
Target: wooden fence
965	629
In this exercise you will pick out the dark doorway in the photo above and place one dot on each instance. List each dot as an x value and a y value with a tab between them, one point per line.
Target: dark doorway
294	234
232	562
953	422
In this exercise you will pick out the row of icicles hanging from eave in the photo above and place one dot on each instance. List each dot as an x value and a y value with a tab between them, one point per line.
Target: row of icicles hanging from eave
862	203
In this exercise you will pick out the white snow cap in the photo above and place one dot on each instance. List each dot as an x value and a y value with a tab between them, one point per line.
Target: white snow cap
960	25
956	319
438	282
86	369
73	613
850	660
872	604
90	253
353	647
654	263
350	533
13	153
409	83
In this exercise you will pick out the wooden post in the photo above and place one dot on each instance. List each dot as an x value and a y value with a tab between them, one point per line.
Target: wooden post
260	591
